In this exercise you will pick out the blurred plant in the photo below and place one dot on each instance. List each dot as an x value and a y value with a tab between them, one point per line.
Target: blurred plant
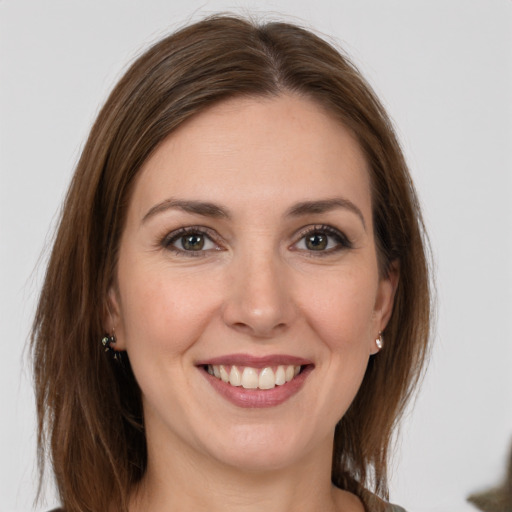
496	499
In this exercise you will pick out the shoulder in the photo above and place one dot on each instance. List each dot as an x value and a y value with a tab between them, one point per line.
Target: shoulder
364	502
373	503
390	507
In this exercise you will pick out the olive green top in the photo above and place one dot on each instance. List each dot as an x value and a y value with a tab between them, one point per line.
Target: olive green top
371	504
389	508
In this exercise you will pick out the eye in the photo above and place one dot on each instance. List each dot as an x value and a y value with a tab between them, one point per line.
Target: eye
322	239
193	242
190	241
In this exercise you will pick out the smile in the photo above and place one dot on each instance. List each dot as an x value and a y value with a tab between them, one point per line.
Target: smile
254	382
254	378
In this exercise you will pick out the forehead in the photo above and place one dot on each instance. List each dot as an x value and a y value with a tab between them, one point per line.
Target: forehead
278	149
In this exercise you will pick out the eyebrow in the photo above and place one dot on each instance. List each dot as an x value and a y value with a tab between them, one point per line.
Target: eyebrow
325	205
208	209
203	208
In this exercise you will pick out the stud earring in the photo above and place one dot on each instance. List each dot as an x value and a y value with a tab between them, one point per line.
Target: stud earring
380	341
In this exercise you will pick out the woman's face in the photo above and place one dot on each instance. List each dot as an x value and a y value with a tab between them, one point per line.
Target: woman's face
248	253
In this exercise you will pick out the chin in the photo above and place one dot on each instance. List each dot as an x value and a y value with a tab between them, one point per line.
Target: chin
260	448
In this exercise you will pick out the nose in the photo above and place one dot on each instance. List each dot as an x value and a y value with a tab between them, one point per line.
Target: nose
259	301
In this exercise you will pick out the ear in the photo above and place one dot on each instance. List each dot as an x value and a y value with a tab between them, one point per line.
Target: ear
111	317
385	300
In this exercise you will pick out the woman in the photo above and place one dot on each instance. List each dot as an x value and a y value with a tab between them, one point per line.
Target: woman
243	227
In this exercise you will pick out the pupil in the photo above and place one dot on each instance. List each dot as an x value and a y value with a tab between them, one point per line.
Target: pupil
192	242
316	242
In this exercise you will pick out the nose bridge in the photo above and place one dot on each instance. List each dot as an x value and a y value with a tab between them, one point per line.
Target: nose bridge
258	301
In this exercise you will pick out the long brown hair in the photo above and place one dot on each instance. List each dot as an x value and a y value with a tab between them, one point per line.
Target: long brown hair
89	407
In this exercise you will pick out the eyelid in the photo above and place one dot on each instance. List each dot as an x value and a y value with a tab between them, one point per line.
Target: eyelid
343	241
167	241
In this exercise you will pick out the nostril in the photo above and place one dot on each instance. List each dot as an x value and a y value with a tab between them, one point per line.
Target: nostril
256	318
240	326
259	330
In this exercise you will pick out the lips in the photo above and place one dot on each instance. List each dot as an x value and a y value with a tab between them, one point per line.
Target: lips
249	381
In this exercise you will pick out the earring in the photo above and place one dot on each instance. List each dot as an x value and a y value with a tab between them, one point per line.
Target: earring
107	341
380	341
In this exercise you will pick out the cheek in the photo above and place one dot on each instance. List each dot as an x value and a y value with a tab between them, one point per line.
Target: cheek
341	308
161	315
340	311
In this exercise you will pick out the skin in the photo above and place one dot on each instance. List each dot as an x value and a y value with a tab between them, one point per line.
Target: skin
256	288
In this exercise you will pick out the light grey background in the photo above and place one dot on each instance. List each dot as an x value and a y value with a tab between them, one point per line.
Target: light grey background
443	69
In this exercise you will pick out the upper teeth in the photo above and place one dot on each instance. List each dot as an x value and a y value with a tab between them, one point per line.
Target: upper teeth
254	378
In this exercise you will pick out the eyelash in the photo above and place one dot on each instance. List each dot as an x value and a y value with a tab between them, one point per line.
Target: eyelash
342	241
171	238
